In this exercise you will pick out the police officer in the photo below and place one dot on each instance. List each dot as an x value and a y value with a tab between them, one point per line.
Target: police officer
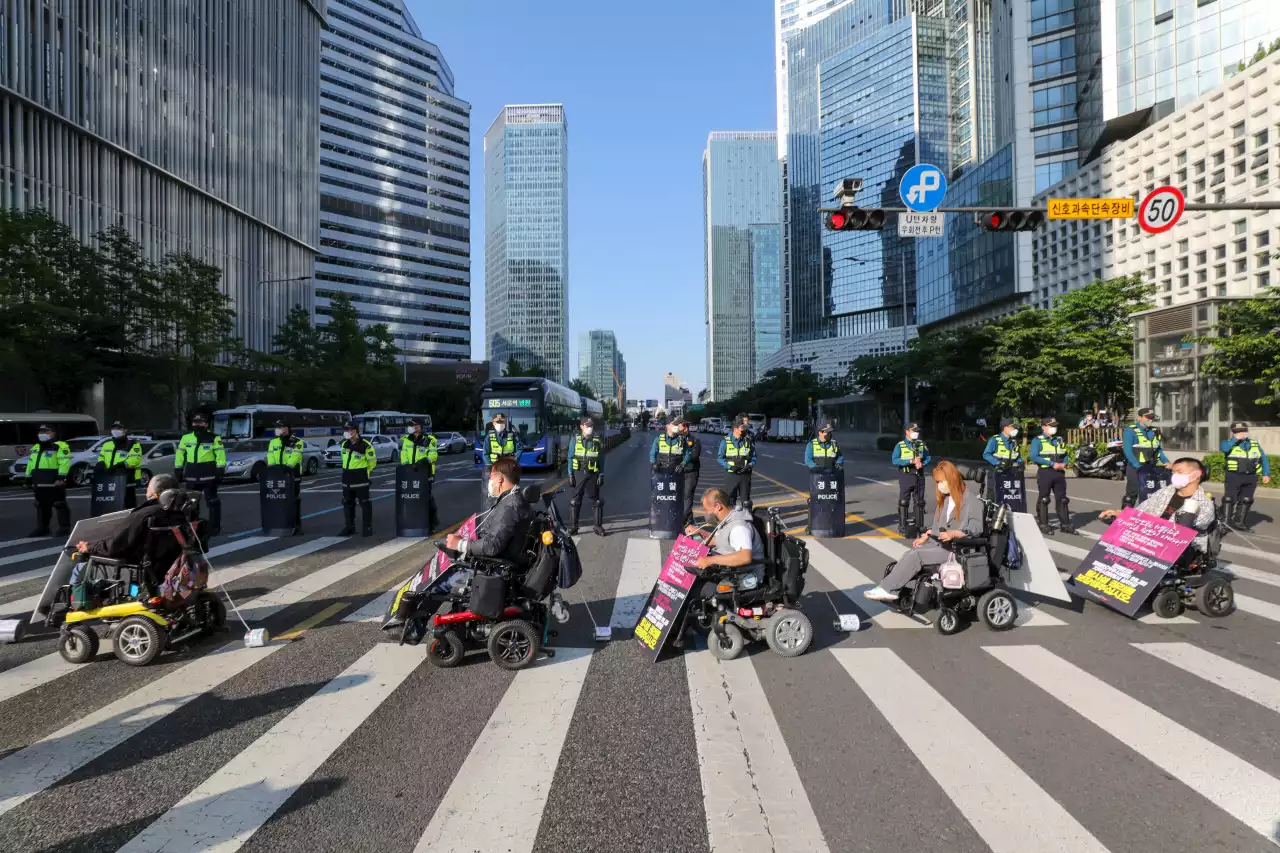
671	451
1050	453
420	449
1244	458
286	449
738	456
586	475
48	465
119	455
1141	444
822	453
692	472
498	441
910	456
358	461
1002	454
200	463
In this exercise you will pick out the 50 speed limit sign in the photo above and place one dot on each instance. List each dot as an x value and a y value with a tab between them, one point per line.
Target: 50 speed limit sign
1161	210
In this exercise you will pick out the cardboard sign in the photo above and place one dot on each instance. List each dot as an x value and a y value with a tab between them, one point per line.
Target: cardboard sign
826	504
670	596
1151	479
85	530
276	497
441	561
1123	568
1011	489
413	500
108	491
666	506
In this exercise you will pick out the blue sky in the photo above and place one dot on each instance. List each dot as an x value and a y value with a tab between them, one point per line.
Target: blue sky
642	84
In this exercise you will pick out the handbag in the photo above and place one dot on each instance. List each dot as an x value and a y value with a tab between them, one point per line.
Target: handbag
951	573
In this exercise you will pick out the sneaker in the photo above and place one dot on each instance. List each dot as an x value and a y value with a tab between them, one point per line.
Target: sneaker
598	530
879	594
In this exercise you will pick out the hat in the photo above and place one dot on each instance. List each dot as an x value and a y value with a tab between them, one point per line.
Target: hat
1239	426
116	425
418	421
280	423
499	417
677	421
1004	422
911	426
1147	412
826	427
585	421
352	425
1044	422
740	420
44	426
199	416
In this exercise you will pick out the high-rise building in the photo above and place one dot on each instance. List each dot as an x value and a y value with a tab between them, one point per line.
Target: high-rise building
740	191
766	291
395	195
599	362
134	114
526	257
789	17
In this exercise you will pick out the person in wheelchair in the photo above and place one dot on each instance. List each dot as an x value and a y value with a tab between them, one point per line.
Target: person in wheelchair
959	514
129	544
735	544
1183	500
503	530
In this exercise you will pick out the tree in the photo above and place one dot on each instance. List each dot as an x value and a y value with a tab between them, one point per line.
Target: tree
879	377
516	368
951	374
581	386
1030	378
1246	345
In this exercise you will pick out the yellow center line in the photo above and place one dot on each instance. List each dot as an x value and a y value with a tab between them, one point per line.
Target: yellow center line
311	621
850	517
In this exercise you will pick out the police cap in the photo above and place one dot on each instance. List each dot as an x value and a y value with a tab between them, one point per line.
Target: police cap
1044	422
585	421
44	427
1004	422
280	424
199	417
117	425
911	427
739	421
827	427
1147	412
1239	426
419	422
352	425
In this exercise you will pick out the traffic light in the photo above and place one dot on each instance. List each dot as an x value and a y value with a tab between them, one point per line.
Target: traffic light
1009	219
854	219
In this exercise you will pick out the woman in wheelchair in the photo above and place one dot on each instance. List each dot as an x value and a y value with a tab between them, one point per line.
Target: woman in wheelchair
957	516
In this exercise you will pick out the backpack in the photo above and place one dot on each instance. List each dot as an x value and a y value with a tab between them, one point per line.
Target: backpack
570	564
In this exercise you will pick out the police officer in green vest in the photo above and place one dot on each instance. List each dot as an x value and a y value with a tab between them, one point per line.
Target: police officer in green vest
498	441
286	449
671	451
1245	460
910	456
1142	448
48	465
1050	453
586	475
1002	453
200	463
358	461
120	455
737	456
421	450
822	453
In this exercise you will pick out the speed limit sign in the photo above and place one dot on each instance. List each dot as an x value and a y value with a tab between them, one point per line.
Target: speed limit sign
1161	210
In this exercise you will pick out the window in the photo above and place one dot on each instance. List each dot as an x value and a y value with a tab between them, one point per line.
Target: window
1183	282
1182	245
1237	150
1202	292
1151	257
1199	167
1237	131
1183	263
1219	158
1264	280
1061	140
1239	226
1242	265
1219	253
1262	238
1222	290
1220	271
1263	259
1242	245
1260	179
1166	268
1182	177
1150	174
1182	158
1202	258
1238	169
1260	139
1219	196
1053	58
1202	276
1199	186
1049	15
1054	104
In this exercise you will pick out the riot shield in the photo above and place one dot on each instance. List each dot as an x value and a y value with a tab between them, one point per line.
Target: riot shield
413	500
826	504
666	505
276	497
107	491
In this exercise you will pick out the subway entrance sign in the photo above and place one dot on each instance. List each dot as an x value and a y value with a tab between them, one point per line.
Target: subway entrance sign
1090	208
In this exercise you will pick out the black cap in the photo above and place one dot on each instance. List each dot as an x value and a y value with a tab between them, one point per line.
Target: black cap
1044	422
44	426
281	424
117	424
499	417
677	421
1004	422
199	417
1239	426
911	426
585	421
1147	412
419	422
352	425
826	427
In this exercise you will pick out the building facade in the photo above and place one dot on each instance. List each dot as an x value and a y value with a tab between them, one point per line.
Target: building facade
526	218
740	191
103	122
394	181
1223	148
766	291
600	364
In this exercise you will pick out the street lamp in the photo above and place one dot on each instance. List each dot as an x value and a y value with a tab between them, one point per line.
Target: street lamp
906	380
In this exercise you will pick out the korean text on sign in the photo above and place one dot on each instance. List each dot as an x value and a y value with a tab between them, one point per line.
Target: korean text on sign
1090	208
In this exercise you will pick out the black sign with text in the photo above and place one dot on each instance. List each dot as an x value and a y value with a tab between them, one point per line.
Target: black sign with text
826	504
666	506
413	500
1151	478
107	495
276	497
1011	489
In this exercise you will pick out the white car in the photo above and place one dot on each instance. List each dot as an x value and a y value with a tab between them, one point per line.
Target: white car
84	455
386	448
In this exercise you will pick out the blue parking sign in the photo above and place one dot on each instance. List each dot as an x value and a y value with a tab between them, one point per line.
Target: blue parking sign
923	187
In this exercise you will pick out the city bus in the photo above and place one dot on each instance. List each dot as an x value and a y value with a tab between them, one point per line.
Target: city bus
711	425
260	420
394	424
544	412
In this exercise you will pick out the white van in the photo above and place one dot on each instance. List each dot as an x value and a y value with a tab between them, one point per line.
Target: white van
18	431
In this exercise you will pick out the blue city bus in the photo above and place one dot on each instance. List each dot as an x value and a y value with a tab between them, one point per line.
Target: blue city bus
545	413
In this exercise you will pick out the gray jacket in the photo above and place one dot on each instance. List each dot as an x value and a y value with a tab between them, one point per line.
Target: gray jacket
1158	501
968	518
503	530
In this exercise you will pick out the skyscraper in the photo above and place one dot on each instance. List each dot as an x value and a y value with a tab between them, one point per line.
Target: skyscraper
394	181
599	362
740	193
526	219
134	114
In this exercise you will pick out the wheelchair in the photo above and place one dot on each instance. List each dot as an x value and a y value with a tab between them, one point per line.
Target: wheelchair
118	596
744	608
1196	581
984	561
502	605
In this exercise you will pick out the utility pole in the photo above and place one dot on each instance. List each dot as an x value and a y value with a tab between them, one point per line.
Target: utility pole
906	380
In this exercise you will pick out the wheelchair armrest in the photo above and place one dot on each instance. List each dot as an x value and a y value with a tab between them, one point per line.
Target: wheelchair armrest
109	561
496	562
971	542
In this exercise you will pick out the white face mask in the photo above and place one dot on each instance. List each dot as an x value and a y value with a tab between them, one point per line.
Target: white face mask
44	436
1180	481
117	433
913	435
1050	431
1013	433
944	487
495	487
350	436
1241	436
499	426
279	433
587	432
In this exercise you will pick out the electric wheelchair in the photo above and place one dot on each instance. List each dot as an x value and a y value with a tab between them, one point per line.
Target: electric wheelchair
1195	580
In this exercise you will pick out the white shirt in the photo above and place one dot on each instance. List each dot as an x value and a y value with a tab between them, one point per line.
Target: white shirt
741	538
950	509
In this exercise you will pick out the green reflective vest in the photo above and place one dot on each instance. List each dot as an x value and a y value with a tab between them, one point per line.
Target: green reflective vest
1244	460
670	450
738	455
1052	448
415	450
200	458
907	453
1004	451
1146	449
287	451
118	460
586	452
49	462
500	447
823	457
358	461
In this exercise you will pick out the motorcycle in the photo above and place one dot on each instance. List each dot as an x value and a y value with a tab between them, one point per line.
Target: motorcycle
1107	465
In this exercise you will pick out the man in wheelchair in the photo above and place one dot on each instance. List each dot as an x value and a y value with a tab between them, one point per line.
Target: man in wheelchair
502	532
1183	501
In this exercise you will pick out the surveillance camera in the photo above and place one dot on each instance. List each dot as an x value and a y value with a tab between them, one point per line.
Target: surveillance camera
846	187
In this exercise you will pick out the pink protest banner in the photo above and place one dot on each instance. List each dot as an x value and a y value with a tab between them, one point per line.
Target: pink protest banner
670	595
1124	567
437	564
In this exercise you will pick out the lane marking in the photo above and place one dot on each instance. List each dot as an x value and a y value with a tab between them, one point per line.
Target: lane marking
512	763
852	583
30	555
311	621
754	798
14	543
1226	674
373	610
225	810
641	565
980	779
1232	784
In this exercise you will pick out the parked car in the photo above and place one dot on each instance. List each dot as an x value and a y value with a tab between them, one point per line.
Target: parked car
247	459
451	442
385	447
84	455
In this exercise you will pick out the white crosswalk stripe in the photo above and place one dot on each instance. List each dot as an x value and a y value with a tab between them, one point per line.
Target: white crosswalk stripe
1218	670
30	555
14	543
640	567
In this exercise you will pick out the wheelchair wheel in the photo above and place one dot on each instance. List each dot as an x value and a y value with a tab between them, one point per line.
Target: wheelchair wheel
789	633
215	614
948	621
1216	598
514	644
730	645
78	645
138	641
1167	603
997	610
445	650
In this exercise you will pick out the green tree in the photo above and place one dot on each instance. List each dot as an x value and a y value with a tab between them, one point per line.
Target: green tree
360	361
515	367
951	374
1246	346
581	386
879	377
1030	377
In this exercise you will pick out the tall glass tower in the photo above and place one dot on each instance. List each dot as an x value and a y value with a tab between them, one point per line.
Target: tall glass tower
395	196
740	194
526	222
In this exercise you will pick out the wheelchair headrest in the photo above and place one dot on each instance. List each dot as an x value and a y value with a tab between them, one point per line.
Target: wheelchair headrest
971	472
171	499
531	493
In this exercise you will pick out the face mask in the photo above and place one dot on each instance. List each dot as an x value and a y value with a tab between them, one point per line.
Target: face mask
913	435
944	487
1180	481
1051	431
499	427
279	433
349	436
494	488
117	433
1241	436
199	427
44	436
1013	433
587	432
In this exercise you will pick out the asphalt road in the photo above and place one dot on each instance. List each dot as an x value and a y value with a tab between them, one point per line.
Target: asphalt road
1079	730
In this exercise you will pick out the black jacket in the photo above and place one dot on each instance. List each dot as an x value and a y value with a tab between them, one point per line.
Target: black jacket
695	454
131	542
503	530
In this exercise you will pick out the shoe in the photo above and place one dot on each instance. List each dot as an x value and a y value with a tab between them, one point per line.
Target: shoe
347	531
573	531
1067	528
1045	530
297	530
38	532
368	531
879	594
598	530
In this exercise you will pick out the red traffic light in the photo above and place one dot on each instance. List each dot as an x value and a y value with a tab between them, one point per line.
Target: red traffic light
1010	219
854	219
995	221
838	220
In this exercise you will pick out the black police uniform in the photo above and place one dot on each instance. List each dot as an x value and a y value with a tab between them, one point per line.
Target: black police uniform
587	467
691	475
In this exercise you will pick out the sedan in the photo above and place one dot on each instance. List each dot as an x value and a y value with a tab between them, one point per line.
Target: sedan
451	442
247	459
386	449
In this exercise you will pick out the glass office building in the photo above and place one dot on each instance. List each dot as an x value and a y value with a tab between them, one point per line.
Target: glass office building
526	220
599	362
766	291
740	192
395	198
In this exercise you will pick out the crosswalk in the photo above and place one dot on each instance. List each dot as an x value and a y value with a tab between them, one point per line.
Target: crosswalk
769	752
